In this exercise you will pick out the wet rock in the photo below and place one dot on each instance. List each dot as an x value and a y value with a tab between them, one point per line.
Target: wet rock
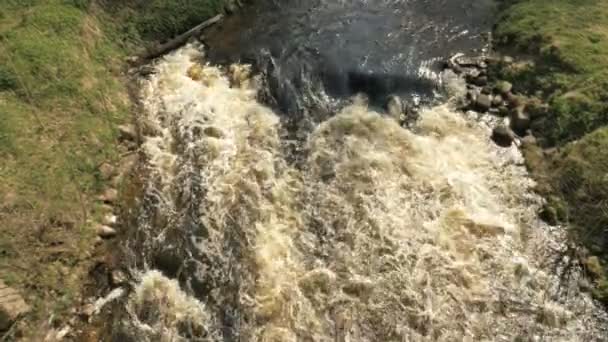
106	171
105	232
213	132
118	278
503	136
503	87
520	121
109	196
169	261
549	215
12	306
127	133
394	107
483	103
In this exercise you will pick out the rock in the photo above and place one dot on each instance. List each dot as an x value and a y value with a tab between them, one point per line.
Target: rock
520	121
483	103
110	220
503	136
497	101
105	232
213	132
486	90
109	196
127	133
118	278
394	107
503	87
12	306
106	171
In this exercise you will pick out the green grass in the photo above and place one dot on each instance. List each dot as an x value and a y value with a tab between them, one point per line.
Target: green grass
568	42
581	177
566	45
61	99
59	104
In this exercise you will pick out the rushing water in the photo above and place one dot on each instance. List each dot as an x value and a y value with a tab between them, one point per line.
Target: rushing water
376	233
383	235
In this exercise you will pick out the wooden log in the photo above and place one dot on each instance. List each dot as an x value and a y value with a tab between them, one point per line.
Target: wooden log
178	41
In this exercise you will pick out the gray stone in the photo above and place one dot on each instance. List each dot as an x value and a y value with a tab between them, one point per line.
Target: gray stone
483	103
503	136
12	306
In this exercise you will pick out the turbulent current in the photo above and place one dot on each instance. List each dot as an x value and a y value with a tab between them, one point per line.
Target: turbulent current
377	233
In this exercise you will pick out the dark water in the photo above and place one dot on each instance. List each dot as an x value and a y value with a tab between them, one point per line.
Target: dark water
345	47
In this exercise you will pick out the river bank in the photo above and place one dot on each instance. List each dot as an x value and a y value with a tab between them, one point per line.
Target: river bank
562	50
63	98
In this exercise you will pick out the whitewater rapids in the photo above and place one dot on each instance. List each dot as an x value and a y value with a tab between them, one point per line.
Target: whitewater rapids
381	234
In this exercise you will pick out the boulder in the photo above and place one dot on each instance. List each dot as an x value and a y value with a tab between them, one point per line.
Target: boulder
503	87
483	103
503	136
12	306
520	121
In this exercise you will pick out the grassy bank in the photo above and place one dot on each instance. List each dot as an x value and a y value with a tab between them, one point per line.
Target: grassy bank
62	95
563	49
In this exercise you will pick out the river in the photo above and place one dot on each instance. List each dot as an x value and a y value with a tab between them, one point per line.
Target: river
280	202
